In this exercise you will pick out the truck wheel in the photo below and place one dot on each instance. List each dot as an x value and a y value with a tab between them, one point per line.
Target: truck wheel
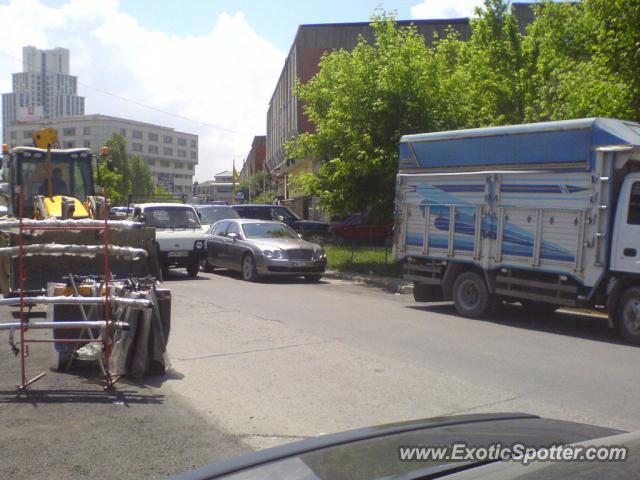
539	308
193	269
471	296
628	318
249	272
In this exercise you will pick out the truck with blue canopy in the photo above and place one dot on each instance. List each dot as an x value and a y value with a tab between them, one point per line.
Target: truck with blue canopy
546	215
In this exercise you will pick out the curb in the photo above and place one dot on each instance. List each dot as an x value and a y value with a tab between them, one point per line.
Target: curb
393	285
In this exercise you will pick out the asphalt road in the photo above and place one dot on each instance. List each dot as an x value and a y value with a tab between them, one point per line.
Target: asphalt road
67	426
281	360
259	364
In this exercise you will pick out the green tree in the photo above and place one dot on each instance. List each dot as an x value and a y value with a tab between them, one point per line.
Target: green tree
360	103
490	68
577	59
141	178
125	175
119	160
108	180
261	183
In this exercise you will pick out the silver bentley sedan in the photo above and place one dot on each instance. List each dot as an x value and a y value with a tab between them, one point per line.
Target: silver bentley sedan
260	247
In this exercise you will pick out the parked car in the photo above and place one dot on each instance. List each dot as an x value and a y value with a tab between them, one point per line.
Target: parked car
259	247
210	214
180	240
358	229
491	445
313	231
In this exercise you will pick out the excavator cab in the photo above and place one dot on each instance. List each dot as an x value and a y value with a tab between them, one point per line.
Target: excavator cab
53	182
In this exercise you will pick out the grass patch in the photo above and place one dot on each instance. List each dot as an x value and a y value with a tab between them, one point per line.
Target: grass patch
367	260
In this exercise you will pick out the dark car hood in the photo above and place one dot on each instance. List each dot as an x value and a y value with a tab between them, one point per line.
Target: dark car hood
373	452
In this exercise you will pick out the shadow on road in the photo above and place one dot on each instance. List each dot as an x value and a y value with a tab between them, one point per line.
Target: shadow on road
270	279
181	274
50	396
152	381
568	323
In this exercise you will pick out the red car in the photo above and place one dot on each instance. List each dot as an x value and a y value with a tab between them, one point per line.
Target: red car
357	229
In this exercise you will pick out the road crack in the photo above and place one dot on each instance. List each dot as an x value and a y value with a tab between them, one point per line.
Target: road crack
244	352
484	405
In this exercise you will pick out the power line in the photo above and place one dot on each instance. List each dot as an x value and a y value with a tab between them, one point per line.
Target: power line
140	104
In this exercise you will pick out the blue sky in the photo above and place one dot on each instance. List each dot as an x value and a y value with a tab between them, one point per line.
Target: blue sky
276	20
207	67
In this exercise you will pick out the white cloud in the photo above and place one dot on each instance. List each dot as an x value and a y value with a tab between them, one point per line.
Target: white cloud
445	8
223	78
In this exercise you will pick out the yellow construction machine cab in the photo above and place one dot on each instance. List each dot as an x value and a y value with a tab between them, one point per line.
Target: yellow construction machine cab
55	182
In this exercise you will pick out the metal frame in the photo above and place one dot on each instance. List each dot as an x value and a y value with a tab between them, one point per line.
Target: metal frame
107	325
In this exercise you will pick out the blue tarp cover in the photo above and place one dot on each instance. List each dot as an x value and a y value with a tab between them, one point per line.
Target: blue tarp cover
567	144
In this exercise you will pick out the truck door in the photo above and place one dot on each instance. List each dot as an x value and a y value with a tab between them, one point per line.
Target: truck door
625	248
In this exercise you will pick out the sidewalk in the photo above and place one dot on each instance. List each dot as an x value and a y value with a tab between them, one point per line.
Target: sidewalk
391	284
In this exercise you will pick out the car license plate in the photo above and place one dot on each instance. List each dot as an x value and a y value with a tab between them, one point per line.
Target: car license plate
301	264
178	254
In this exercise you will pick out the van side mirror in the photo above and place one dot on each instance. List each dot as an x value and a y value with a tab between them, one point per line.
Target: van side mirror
233	236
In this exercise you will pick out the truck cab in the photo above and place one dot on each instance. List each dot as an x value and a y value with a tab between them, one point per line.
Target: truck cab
180	239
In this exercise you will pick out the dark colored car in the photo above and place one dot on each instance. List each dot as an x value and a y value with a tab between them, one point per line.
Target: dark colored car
261	247
358	229
390	452
313	231
210	214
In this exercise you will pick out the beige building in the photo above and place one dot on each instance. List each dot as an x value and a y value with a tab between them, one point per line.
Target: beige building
220	189
171	155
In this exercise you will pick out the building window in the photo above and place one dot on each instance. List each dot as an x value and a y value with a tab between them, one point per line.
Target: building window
26	134
153	149
68	132
182	142
123	132
182	153
194	155
179	165
136	147
86	143
86	131
177	188
151	161
153	137
68	144
167	151
164	163
194	144
136	134
167	139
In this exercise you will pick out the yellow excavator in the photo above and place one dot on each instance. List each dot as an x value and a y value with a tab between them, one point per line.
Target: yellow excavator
55	183
43	182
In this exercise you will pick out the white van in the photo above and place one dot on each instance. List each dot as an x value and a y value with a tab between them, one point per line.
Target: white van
180	239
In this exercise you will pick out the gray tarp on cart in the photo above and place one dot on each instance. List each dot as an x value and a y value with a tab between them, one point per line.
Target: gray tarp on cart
142	349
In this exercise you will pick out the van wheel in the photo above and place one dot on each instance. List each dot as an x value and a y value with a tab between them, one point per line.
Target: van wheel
249	272
628	318
193	269
471	296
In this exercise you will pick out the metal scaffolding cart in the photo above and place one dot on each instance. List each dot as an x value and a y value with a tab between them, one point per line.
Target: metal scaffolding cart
102	299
